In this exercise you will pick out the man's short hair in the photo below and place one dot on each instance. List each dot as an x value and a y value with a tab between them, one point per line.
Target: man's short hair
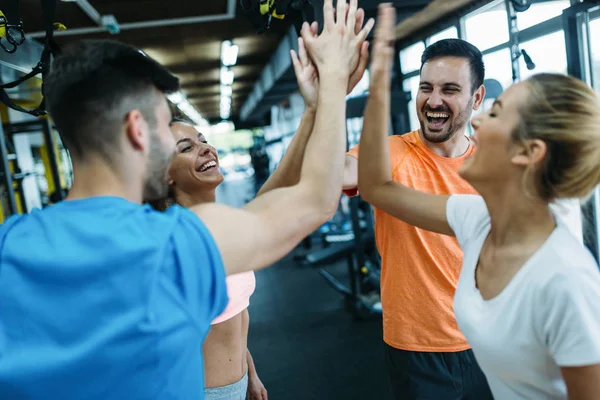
461	49
92	87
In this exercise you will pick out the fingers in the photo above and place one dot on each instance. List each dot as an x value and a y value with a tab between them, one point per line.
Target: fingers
383	45
360	69
351	17
341	12
296	63
364	32
307	35
302	53
314	28
360	19
328	21
385	24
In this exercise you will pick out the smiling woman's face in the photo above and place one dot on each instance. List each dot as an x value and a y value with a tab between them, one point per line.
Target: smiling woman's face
195	166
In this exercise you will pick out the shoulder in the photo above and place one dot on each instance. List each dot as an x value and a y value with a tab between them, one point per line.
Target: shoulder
405	141
468	217
463	207
567	265
402	145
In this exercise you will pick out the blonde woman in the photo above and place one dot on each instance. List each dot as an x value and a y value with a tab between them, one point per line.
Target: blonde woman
528	297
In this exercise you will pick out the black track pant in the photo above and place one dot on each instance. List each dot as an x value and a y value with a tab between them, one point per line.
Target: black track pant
435	376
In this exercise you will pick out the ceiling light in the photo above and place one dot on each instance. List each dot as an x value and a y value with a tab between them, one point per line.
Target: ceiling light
226	76
225	101
225	114
229	53
226	91
175	98
184	106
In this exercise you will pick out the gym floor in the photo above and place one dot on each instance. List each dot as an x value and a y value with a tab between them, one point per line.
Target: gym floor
306	345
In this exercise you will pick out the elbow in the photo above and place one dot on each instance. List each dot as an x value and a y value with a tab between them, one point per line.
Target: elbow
325	207
368	191
320	206
367	195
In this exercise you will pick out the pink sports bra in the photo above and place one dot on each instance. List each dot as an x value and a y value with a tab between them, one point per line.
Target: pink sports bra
239	289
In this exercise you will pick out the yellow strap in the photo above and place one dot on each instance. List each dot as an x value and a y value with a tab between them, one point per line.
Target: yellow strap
59	27
2	25
265	6
282	16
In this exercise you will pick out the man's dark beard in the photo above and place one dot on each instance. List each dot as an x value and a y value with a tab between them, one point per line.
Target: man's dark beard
462	121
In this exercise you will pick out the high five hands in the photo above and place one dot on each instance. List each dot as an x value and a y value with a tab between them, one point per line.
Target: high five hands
340	50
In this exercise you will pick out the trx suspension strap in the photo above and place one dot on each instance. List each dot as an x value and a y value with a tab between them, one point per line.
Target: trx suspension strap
261	12
43	67
11	31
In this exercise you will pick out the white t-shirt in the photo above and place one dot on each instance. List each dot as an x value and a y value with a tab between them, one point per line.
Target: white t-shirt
548	316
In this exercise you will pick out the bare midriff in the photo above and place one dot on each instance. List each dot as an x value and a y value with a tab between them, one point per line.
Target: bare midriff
225	351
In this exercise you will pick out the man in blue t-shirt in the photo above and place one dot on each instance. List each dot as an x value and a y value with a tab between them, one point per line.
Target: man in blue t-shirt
102	297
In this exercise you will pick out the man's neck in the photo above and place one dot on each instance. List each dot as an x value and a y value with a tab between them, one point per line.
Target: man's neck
97	178
454	147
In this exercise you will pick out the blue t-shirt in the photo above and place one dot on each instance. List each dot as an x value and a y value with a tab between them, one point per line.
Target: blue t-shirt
102	298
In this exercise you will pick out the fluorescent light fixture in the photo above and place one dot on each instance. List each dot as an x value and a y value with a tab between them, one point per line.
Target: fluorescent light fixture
225	102
226	91
226	76
176	97
225	114
184	105
229	53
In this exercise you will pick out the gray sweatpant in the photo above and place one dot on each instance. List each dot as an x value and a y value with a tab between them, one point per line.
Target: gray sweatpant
235	391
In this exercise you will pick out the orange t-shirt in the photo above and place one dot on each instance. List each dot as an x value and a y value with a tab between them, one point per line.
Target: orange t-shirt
420	269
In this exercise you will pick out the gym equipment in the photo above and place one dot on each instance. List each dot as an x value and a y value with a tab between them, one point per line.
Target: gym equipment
521	5
261	12
10	180
12	27
361	296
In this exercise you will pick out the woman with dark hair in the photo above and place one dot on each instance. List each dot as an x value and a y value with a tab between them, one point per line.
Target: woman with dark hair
193	178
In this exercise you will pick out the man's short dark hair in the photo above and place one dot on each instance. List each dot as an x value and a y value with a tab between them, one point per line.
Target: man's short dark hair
92	87
461	49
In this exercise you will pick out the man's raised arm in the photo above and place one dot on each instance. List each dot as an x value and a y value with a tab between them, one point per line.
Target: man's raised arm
267	228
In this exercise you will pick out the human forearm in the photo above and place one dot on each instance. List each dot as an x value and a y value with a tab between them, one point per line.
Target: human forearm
251	366
287	172
375	182
375	168
324	157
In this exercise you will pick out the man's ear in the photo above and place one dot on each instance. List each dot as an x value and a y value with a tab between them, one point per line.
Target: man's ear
530	152
136	129
478	97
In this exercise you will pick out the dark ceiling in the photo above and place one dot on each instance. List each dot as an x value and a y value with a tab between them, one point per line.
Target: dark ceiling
190	50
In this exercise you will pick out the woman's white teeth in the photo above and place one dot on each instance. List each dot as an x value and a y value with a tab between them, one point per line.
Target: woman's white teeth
437	115
208	165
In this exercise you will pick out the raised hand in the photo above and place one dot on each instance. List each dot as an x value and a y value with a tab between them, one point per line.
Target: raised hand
306	74
382	54
335	51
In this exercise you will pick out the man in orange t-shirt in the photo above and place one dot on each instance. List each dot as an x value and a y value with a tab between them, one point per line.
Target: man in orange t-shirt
427	355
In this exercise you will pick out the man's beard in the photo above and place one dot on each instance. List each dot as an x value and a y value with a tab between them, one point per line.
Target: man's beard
453	126
156	185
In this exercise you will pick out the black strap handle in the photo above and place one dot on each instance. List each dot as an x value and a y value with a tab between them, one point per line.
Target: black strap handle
43	67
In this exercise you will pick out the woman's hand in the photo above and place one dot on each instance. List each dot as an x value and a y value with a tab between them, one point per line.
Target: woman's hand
256	389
